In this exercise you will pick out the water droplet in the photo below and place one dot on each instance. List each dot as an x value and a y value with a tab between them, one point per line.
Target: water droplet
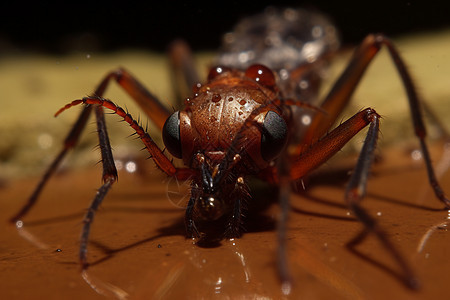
45	141
131	167
286	288
216	98
304	84
196	88
306	120
19	224
284	74
416	155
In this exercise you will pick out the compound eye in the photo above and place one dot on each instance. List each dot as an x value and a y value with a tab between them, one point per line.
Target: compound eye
216	71
273	136
261	74
171	134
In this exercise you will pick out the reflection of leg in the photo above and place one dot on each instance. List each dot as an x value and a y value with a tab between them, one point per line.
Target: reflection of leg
191	228
177	191
356	191
234	224
241	197
326	147
427	235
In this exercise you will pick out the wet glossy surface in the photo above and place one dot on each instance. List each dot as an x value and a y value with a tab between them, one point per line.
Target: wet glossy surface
138	242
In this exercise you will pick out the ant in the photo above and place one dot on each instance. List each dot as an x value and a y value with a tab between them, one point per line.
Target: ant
257	114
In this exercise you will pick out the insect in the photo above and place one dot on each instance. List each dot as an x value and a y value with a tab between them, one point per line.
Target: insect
257	114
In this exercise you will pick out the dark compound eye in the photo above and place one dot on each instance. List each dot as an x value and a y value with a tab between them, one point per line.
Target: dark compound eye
261	74
273	136
171	134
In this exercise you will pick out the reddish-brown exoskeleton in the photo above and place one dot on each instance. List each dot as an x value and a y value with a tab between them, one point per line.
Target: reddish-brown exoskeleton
249	120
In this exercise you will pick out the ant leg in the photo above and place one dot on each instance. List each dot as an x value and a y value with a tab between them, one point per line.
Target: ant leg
241	196
109	177
191	228
356	191
234	224
69	142
320	151
329	145
340	94
288	170
184	73
109	169
161	161
148	102
89	218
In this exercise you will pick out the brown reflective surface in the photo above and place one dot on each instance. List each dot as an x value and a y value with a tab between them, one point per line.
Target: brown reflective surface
138	248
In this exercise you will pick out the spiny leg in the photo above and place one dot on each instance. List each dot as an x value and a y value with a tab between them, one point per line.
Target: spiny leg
156	153
341	92
241	197
109	170
109	177
148	102
234	225
191	229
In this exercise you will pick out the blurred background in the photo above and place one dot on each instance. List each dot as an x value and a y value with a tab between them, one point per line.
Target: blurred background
56	27
54	52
